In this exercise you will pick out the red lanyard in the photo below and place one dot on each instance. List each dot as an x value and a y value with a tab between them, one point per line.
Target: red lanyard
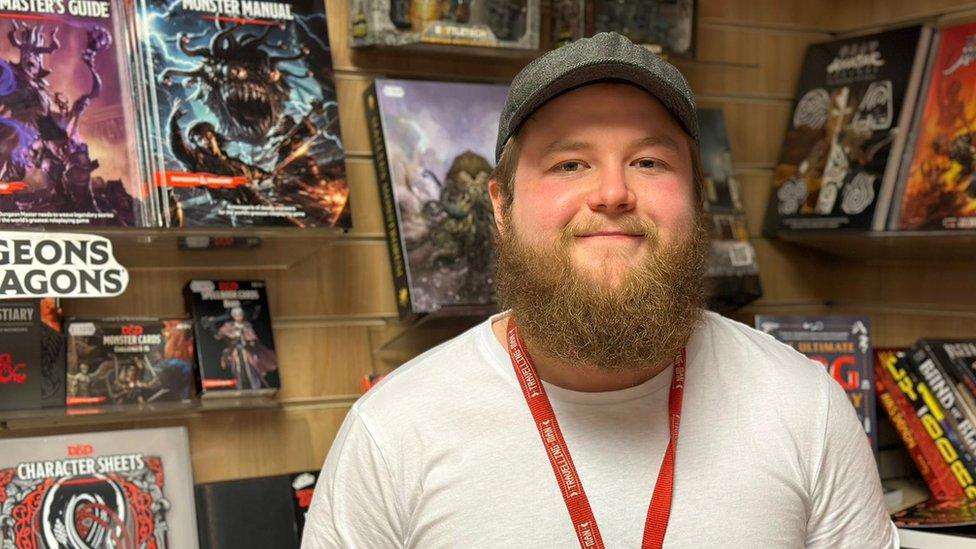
567	478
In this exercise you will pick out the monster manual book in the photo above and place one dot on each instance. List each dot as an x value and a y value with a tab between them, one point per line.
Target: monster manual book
240	120
31	354
67	130
129	361
839	161
108	490
434	146
937	190
235	346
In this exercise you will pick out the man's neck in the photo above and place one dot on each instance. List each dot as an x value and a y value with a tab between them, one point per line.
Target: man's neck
575	377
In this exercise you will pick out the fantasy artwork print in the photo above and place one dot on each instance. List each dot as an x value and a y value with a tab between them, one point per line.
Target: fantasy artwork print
129	361
235	344
67	133
243	128
840	156
111	490
439	141
940	191
664	26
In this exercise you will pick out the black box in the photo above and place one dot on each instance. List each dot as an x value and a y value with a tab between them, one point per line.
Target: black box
31	354
235	345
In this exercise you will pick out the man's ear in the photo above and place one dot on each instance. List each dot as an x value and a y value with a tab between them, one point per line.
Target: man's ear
495	192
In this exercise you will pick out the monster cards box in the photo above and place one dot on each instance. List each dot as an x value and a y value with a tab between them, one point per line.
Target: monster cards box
491	23
129	361
235	345
31	354
111	489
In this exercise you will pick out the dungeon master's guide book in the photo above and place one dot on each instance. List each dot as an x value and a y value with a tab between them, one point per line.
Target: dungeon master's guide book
115	489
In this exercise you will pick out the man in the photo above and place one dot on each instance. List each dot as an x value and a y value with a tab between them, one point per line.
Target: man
653	421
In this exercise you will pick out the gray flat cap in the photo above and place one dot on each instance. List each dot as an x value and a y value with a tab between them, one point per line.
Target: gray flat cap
605	56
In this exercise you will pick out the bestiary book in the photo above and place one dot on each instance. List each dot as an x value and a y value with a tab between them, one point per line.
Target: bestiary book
840	157
129	361
937	190
434	145
234	342
112	489
67	127
240	120
31	354
842	344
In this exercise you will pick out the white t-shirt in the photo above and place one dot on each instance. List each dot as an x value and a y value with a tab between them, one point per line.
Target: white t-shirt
444	453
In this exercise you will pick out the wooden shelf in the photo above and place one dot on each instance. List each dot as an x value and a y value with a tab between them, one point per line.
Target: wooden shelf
889	246
229	248
84	416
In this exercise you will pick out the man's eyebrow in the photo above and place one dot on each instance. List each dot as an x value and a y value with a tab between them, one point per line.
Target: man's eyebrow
665	141
564	145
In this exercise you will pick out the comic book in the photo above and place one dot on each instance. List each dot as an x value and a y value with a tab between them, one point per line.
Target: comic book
937	191
234	343
114	489
733	274
840	156
67	127
842	344
434	146
241	125
129	361
31	354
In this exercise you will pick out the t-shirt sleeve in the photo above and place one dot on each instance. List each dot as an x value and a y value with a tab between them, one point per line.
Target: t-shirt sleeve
355	501
847	504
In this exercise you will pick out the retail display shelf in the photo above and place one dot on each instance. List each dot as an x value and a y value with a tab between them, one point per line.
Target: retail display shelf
934	539
431	329
84	416
889	246
229	248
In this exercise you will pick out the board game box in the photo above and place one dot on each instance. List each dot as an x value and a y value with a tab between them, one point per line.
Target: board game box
234	342
111	489
434	144
129	361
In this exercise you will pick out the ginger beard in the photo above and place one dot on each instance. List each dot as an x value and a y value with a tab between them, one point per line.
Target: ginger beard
569	315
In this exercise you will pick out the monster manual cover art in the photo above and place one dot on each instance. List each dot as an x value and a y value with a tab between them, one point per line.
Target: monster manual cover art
840	157
129	361
31	354
434	144
110	490
938	189
733	274
67	136
842	344
244	124
235	345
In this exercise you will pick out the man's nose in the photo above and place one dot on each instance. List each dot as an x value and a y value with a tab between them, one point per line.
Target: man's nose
612	194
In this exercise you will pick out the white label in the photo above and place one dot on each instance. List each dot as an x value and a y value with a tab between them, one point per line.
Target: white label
42	264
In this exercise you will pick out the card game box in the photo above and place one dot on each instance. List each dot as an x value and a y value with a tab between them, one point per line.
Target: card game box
129	488
31	354
234	342
239	113
434	144
67	125
842	345
129	361
487	23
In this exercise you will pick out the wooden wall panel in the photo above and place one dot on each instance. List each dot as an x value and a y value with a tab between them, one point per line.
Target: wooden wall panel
869	14
367	219
756	128
352	114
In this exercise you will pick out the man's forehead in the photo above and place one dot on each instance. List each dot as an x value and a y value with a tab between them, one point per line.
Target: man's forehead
570	144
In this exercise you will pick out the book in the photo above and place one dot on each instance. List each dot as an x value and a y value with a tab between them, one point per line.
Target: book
32	364
109	489
303	488
841	153
936	192
235	348
434	147
893	393
129	361
733	274
67	125
842	345
239	114
254	512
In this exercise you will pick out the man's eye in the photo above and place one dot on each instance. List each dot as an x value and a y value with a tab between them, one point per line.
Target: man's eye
647	164
570	166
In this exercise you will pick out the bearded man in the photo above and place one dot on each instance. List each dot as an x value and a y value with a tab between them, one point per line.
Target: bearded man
604	407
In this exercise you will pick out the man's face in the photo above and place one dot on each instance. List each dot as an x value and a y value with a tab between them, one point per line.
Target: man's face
604	176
